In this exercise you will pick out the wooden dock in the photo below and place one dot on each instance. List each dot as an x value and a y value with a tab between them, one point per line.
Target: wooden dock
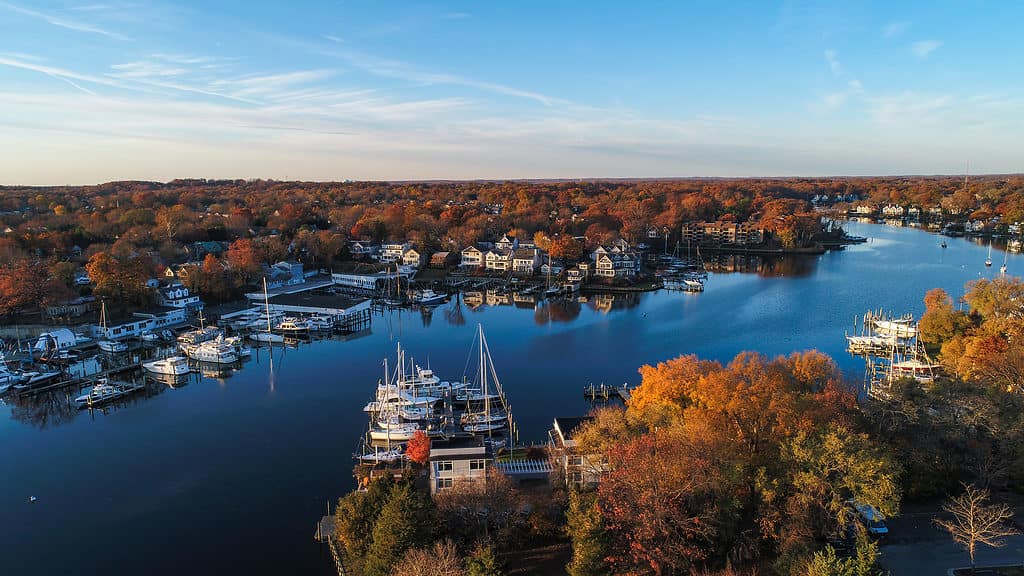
604	392
325	535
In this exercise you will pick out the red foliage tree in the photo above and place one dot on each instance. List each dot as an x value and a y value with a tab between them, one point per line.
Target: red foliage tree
418	448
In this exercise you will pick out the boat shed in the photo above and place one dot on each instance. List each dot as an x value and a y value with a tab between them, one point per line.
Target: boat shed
329	304
61	339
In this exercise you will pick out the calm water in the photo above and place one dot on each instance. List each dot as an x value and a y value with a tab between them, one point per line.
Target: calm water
230	475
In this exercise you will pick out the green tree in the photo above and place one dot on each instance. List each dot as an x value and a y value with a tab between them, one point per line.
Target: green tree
406	521
484	562
585	528
863	563
355	517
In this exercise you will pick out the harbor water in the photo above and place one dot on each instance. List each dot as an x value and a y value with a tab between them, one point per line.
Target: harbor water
230	474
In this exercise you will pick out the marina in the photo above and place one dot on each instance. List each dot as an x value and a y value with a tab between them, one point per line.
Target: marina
291	415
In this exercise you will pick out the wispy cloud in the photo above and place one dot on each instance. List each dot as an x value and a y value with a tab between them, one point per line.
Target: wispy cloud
399	70
333	38
908	107
923	48
833	62
63	22
54	72
456	15
895	29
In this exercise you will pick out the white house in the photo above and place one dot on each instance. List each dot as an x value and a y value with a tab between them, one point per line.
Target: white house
176	295
507	243
458	462
472	257
574	274
555	267
583	470
893	210
864	209
392	252
616	261
412	257
525	261
363	249
498	260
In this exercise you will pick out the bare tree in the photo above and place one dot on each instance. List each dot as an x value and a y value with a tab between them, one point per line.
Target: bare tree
441	559
975	521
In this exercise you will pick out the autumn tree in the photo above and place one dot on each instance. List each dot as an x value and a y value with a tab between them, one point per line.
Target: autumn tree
974	521
940	322
24	285
170	220
484	562
123	280
243	257
418	448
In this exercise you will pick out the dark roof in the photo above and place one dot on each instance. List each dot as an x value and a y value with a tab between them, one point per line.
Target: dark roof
315	300
568	425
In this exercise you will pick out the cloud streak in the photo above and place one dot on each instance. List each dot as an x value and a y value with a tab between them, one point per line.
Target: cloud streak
63	22
922	49
833	62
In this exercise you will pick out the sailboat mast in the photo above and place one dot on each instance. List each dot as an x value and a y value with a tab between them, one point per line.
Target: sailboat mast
266	299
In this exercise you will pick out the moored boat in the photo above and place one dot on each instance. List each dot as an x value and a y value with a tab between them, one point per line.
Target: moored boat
171	366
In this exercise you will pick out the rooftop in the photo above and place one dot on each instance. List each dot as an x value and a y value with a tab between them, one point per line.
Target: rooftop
316	300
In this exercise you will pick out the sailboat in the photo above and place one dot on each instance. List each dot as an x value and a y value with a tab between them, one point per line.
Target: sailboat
494	414
988	261
551	290
1002	269
268	336
393	292
111	346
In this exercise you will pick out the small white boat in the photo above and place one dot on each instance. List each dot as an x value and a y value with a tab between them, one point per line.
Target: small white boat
381	456
150	337
198	336
484	427
266	337
899	327
172	366
240	347
112	346
397	434
484	417
103	391
293	326
32	379
428	297
7	377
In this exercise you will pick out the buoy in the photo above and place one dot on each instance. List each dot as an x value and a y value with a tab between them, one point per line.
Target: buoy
32	499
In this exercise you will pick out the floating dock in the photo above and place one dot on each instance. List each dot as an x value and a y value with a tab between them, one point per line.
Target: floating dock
604	392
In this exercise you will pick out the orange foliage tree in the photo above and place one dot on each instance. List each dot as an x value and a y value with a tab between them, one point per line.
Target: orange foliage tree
418	448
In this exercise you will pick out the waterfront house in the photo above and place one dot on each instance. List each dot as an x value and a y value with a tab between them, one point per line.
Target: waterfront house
472	257
412	257
555	267
864	209
579	470
442	260
498	260
458	461
176	295
72	308
893	211
392	252
575	274
616	261
507	243
363	250
525	261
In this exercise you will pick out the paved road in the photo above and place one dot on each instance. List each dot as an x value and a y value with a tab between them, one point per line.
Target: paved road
917	547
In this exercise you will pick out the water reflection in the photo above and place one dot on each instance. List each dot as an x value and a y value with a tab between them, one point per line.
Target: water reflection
764	266
57	407
558	310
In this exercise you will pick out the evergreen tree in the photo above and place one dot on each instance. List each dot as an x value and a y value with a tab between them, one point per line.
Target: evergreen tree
586	530
406	521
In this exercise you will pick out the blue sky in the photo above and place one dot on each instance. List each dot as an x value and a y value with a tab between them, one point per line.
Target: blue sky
92	91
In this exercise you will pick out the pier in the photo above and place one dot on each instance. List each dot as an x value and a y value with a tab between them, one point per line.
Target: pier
604	392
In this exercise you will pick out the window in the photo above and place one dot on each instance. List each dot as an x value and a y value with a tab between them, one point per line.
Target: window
444	466
576	460
477	464
443	483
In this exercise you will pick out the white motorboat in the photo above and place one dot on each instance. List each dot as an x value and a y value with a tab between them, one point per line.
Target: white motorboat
7	377
32	379
240	347
172	366
484	427
195	337
484	417
900	327
428	297
150	337
292	325
214	352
